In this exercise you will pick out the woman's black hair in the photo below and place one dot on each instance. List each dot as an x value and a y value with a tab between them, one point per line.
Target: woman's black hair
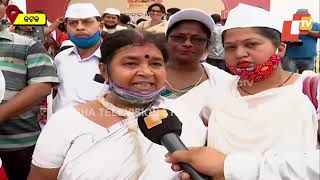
173	10
161	6
272	34
113	42
203	27
140	20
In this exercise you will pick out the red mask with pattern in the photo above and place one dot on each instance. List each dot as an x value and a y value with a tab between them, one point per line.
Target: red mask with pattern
257	72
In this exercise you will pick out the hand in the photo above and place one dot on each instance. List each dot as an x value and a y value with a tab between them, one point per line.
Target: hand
314	33
205	160
60	19
2	113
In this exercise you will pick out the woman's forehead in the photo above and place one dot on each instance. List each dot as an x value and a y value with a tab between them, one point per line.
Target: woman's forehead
242	33
189	26
136	49
155	8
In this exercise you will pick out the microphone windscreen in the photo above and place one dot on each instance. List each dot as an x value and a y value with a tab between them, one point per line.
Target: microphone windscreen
155	123
99	78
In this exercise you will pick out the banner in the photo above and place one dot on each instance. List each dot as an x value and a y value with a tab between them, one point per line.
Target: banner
141	4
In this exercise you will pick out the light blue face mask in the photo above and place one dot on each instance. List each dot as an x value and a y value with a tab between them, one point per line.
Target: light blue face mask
85	42
135	97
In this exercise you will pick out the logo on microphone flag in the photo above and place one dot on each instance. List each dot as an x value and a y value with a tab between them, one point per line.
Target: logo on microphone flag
155	118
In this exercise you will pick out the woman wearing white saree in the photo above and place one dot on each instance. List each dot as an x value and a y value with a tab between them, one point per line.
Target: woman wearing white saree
263	126
100	139
188	35
188	79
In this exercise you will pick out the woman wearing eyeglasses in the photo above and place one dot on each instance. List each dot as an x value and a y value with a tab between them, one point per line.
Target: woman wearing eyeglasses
156	12
188	80
188	35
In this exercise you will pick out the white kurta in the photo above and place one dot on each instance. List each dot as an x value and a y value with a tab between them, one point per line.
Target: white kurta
76	78
117	28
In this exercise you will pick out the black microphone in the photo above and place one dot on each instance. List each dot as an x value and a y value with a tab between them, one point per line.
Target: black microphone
99	78
163	127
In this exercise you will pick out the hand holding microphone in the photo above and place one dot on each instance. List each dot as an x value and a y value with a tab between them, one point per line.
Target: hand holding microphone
203	159
163	127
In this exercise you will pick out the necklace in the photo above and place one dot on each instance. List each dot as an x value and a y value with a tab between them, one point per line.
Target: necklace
137	170
277	86
114	109
187	89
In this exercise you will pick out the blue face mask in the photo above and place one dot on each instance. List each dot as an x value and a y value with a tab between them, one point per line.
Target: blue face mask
134	97
85	42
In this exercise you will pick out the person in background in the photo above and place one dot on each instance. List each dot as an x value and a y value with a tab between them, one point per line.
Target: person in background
77	66
171	11
50	28
156	12
188	79
188	34
111	20
124	20
216	51
29	75
63	36
140	20
263	119
301	56
48	34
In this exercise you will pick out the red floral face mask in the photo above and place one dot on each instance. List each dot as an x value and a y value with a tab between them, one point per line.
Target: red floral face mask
259	72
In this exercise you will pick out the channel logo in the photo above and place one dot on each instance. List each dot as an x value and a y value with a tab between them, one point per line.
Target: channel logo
299	25
17	18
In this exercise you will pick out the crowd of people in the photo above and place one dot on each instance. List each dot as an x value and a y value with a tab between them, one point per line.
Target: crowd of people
244	115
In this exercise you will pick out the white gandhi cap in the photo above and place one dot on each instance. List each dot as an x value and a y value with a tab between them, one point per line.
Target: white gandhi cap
244	16
81	11
191	14
112	11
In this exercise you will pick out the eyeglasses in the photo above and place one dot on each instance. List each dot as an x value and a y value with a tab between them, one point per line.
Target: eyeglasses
155	11
197	41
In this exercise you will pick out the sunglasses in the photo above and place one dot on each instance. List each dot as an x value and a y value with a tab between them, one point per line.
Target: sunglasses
197	41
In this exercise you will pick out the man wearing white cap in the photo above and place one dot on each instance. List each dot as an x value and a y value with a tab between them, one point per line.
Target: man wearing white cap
111	18
78	66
